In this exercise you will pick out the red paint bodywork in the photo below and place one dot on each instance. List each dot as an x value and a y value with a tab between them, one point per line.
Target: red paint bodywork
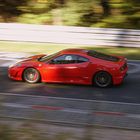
77	73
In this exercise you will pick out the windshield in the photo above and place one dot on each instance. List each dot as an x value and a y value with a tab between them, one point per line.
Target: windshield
102	56
47	57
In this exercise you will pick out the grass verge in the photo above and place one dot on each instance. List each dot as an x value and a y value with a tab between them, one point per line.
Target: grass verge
35	48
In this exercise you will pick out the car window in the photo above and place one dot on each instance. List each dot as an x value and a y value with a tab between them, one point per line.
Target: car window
82	59
102	56
64	59
68	59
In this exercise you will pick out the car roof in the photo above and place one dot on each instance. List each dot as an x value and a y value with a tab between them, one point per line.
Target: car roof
77	51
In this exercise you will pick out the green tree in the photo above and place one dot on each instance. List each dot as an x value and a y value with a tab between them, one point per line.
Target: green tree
106	7
96	13
9	9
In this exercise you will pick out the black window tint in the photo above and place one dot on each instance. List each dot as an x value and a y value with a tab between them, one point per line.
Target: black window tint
82	59
64	59
102	56
58	60
69	59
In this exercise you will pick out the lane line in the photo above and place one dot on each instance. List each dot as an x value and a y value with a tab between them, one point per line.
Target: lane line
14	105
80	111
41	107
63	109
134	116
70	110
109	113
70	99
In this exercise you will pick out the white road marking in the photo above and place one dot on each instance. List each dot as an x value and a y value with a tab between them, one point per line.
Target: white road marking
70	110
80	111
68	99
14	105
133	116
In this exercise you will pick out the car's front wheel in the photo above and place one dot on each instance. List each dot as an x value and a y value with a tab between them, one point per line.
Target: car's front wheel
31	75
103	79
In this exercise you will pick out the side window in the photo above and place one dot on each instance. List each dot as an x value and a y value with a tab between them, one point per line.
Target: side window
68	59
65	59
82	59
58	60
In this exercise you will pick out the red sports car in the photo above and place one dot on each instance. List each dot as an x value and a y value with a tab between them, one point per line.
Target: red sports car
76	66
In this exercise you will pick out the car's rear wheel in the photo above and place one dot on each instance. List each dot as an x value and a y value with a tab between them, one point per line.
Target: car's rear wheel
103	79
31	75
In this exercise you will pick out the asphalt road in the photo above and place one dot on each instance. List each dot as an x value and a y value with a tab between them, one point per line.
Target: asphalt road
128	92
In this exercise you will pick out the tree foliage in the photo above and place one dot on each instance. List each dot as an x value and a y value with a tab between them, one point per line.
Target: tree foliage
10	9
100	13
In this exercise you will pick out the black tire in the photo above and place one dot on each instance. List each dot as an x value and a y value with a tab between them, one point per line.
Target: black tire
102	79
31	75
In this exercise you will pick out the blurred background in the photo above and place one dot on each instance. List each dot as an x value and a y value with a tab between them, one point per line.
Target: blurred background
29	27
90	13
108	23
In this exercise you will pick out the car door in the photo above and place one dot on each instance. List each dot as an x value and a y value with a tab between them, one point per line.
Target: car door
82	69
68	68
56	70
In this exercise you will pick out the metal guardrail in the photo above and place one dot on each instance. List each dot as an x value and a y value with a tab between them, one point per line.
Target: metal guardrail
70	35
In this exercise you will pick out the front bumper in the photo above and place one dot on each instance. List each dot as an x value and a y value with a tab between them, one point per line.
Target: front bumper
15	73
